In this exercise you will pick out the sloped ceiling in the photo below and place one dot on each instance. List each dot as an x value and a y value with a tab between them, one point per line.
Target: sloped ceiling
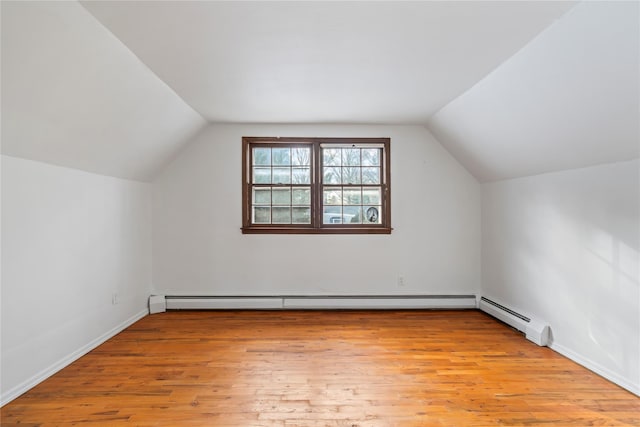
74	95
323	61
569	99
510	88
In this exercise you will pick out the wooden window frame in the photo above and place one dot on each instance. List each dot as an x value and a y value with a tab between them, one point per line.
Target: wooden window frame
316	226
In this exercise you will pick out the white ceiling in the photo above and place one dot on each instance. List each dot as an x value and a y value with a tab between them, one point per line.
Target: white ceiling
73	95
339	62
511	88
569	99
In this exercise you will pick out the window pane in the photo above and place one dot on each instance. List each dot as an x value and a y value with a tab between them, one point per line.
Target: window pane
351	157
301	176
352	214
262	156
262	175
282	196
281	156
372	215
371	196
371	175
351	175
282	215
332	215
301	196
301	156
261	196
261	215
370	157
332	196
282	175
301	215
352	196
331	156
332	176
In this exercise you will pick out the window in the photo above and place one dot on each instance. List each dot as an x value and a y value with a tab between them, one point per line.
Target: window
316	185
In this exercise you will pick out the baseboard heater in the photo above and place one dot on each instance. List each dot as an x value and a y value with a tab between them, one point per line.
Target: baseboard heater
159	303
534	330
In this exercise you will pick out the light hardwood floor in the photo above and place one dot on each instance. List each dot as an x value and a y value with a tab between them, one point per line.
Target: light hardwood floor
323	368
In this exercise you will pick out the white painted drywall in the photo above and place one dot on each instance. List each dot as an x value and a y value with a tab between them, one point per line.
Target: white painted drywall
564	247
573	91
70	240
323	61
75	96
198	248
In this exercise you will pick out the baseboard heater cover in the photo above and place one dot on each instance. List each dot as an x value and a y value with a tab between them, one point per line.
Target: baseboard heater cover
157	304
407	302
535	330
212	303
290	302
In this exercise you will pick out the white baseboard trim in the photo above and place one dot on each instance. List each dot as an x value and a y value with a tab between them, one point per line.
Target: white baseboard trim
25	386
596	368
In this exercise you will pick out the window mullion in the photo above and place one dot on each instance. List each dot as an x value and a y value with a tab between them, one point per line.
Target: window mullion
316	209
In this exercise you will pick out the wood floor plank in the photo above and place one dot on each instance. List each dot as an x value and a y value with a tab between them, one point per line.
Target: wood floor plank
322	368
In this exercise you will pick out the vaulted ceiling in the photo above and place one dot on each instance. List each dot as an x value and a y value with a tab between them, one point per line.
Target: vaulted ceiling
568	99
119	87
74	95
353	62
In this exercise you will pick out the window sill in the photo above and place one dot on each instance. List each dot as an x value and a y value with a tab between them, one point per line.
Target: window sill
308	230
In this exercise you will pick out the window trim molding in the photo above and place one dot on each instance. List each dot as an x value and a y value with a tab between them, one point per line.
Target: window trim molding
316	226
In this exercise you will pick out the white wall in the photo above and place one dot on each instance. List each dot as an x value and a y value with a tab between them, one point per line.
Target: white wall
198	248
70	240
564	247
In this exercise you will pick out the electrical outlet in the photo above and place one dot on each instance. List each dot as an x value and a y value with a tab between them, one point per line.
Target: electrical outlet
400	280
114	299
